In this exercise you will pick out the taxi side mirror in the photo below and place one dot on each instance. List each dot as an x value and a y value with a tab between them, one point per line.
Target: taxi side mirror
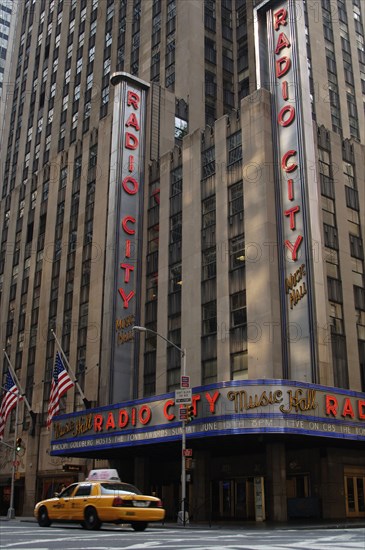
56	494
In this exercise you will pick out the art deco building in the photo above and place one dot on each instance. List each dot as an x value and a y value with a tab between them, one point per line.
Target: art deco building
8	15
194	167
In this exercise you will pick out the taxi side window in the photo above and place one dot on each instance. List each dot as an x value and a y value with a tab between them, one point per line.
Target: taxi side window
83	491
67	492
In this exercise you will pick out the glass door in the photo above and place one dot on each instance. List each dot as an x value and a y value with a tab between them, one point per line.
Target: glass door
233	499
355	499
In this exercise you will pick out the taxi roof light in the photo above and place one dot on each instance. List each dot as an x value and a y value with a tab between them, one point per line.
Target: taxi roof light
103	474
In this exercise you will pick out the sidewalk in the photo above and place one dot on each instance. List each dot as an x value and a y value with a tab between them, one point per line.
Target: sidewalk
250	525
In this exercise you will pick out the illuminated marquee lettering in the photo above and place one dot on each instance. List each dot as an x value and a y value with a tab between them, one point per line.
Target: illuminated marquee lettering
282	66
280	18
255	406
286	117
132	121
133	99
130	186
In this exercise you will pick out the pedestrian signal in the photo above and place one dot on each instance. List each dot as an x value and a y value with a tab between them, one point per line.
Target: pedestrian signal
19	444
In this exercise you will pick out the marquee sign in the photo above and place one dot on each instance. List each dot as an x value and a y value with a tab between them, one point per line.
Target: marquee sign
280	69
124	239
235	407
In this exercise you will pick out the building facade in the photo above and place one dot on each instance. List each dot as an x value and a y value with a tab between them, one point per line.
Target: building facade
8	15
195	168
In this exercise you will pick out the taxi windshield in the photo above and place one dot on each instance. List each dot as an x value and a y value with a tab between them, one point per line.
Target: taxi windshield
126	488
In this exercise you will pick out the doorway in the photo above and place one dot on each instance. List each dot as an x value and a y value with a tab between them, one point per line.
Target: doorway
355	493
233	499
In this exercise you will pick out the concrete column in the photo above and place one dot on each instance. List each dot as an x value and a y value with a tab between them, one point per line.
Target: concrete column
276	503
199	501
142	473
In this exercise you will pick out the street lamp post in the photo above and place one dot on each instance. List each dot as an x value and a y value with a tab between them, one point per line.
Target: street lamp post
183	422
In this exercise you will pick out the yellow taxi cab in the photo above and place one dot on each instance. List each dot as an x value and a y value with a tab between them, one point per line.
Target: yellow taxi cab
101	498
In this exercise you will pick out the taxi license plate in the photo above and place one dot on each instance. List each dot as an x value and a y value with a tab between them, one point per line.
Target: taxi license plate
141	503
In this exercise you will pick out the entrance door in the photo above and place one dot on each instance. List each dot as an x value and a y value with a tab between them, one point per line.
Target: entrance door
355	494
233	499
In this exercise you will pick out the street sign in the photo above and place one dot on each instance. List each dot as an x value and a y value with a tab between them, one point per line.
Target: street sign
183	413
185	382
183	397
188	452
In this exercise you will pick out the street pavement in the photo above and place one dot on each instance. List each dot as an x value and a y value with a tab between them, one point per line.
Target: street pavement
25	534
264	525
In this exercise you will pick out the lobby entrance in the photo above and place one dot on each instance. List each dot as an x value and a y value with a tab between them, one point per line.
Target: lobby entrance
233	499
355	492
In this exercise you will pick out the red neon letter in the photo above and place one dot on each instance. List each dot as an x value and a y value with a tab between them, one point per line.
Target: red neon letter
280	18
133	99
130	163
131	141
287	109
284	90
132	121
284	161
331	405
123	418
110	422
167	405
347	409
144	415
290	190
128	268
291	213
361	405
126	299
280	71
195	400
294	247
126	220
211	400
282	42
130	190
127	248
98	423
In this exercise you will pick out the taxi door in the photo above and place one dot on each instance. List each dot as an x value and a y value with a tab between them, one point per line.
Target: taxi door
59	509
79	501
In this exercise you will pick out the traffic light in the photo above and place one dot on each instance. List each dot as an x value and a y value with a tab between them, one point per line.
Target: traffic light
188	463
189	413
19	444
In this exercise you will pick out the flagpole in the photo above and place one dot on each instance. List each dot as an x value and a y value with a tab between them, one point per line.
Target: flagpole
15	378
11	510
86	401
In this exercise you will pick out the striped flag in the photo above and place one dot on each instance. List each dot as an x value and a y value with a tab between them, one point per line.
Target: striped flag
61	383
10	398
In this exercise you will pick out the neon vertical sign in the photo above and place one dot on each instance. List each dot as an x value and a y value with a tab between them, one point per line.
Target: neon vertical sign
124	238
280	69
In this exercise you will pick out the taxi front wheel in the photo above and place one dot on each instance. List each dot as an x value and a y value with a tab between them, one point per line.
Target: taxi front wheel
43	519
92	522
139	525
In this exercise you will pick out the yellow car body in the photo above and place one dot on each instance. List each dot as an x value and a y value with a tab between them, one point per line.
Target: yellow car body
92	503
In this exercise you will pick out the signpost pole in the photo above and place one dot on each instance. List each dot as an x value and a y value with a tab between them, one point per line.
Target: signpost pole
183	422
183	447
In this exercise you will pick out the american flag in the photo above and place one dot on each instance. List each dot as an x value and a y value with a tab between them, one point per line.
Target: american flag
9	401
61	383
